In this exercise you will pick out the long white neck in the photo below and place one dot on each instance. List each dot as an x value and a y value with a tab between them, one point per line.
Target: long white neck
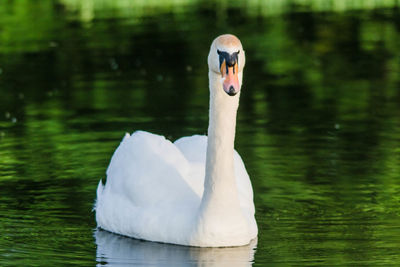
220	179
220	199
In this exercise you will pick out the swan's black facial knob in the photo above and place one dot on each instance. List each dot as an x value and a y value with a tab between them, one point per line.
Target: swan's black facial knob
229	59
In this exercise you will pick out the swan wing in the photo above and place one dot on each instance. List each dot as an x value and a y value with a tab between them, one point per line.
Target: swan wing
147	194
149	170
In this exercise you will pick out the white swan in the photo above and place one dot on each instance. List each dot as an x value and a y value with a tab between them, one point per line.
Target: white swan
195	191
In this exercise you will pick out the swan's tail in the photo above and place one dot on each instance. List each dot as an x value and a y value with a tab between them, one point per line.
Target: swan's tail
100	188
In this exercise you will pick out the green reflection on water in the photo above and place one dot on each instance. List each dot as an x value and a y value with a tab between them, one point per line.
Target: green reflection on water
318	125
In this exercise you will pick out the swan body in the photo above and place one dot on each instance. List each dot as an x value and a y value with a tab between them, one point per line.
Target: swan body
195	191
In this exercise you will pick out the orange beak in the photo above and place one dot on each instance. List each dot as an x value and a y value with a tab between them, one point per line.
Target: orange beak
231	79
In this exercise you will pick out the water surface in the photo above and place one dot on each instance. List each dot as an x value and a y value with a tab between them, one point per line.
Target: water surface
318	124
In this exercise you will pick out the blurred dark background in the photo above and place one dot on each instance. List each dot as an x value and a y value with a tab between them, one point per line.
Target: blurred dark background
318	124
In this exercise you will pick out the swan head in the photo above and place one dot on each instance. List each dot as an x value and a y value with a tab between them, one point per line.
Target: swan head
227	59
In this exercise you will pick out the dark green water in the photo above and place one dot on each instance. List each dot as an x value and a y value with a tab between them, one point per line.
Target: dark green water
318	124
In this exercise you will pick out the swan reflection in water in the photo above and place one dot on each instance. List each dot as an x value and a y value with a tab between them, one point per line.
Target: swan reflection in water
116	250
